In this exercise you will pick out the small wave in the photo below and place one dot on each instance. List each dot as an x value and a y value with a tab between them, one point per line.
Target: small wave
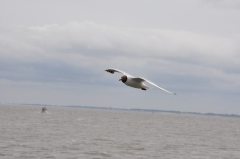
104	139
104	153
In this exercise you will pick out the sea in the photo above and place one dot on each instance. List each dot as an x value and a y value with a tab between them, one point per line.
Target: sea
78	133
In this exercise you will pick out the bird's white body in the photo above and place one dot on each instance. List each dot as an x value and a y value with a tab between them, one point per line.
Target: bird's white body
135	82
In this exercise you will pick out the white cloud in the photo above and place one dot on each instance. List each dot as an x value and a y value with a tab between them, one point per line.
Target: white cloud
82	44
89	38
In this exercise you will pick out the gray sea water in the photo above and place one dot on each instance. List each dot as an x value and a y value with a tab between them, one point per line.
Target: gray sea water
63	132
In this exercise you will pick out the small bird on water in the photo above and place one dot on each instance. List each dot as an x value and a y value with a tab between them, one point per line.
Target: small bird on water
135	82
44	109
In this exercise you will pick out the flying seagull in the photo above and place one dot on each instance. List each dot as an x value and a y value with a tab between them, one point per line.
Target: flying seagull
135	82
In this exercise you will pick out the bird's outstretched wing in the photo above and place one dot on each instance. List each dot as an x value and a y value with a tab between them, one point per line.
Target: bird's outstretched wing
112	70
140	79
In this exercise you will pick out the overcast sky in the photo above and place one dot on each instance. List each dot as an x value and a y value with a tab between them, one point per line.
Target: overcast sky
55	52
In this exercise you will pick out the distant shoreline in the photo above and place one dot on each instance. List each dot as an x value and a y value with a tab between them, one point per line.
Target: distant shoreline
130	109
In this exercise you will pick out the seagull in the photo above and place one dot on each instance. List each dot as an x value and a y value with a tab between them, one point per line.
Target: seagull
135	82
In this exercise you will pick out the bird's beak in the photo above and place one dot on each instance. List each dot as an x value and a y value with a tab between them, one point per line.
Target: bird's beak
120	79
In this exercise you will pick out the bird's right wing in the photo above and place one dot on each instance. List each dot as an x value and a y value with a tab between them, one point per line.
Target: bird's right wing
140	79
112	70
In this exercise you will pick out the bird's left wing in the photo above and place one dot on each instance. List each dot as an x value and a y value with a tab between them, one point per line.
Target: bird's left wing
112	70
140	79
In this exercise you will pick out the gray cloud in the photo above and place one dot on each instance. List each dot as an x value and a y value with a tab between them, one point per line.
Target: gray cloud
224	3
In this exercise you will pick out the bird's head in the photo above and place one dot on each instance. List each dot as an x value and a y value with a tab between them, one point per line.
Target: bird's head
123	78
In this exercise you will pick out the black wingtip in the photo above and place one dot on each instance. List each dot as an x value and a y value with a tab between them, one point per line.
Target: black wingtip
110	71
